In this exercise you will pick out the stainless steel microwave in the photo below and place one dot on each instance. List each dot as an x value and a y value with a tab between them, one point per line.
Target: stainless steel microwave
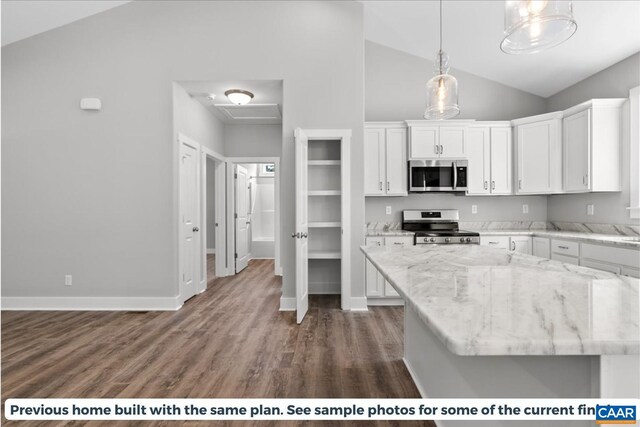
437	175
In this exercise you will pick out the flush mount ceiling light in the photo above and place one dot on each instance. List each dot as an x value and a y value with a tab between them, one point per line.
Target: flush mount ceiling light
239	96
442	89
532	26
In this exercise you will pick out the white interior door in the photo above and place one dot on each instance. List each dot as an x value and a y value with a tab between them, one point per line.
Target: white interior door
242	218
190	247
302	227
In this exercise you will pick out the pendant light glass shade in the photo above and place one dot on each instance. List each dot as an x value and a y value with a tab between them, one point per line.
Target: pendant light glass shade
442	89
442	93
531	26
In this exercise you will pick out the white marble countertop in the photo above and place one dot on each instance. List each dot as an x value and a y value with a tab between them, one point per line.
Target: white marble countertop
485	301
610	239
383	233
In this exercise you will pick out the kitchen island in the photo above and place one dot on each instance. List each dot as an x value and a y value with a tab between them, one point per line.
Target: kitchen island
482	322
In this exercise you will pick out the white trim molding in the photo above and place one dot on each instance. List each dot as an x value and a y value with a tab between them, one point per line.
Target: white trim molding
91	303
359	304
634	152
211	251
287	304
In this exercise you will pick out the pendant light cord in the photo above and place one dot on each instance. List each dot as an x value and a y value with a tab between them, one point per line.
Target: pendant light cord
440	51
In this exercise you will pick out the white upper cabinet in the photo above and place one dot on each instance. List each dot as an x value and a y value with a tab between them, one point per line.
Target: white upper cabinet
488	149
501	161
429	140
539	154
373	162
592	146
478	153
385	159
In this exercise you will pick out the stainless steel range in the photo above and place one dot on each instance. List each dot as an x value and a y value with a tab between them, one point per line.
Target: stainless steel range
437	227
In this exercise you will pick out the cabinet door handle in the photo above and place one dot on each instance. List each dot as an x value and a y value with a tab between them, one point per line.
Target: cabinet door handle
388	186
398	243
564	247
486	185
435	149
519	184
513	246
441	149
380	185
493	243
493	185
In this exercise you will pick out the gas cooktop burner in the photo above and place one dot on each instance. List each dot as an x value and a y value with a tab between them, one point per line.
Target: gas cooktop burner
437	227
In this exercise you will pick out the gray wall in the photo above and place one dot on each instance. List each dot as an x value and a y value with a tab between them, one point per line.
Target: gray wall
613	82
211	204
253	140
490	208
95	195
193	120
395	85
394	90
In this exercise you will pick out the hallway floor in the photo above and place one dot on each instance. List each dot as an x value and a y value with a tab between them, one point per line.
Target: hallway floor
230	341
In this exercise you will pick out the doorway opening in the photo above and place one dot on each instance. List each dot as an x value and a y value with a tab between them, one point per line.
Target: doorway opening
254	202
214	212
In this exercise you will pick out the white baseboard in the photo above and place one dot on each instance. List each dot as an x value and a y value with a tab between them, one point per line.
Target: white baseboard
359	304
91	303
287	304
211	251
423	394
385	301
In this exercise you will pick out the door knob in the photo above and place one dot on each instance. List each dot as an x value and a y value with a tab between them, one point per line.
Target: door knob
196	229
295	235
304	235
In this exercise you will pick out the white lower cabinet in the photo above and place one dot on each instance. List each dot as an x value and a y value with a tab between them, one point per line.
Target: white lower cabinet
631	272
520	244
377	288
565	251
541	247
616	269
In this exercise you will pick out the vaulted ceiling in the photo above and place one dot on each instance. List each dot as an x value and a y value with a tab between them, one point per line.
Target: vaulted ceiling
607	33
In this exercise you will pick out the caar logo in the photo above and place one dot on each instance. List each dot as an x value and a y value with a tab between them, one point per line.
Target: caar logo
615	414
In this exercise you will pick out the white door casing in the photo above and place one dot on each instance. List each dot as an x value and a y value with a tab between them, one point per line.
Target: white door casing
242	221
302	227
189	215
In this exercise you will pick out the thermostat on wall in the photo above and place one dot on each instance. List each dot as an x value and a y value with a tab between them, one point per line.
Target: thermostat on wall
91	104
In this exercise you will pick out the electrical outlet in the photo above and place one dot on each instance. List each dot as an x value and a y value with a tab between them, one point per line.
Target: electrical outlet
525	208
474	209
590	210
68	280
388	210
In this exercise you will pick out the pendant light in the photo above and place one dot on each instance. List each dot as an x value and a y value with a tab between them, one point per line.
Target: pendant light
532	26
442	89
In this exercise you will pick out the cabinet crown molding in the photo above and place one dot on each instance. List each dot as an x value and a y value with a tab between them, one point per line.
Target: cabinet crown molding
538	118
412	123
595	103
398	124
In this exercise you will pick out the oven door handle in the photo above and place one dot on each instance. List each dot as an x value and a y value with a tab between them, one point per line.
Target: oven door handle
455	175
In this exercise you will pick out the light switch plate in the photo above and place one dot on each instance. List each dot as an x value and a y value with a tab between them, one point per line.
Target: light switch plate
525	208
590	209
68	280
474	209
388	210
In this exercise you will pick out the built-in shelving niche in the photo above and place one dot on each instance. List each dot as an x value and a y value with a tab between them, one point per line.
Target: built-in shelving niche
325	215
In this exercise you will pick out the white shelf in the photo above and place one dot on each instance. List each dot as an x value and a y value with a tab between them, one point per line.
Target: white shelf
324	193
324	255
324	162
327	224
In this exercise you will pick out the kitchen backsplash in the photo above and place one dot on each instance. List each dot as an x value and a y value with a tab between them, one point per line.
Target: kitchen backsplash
624	230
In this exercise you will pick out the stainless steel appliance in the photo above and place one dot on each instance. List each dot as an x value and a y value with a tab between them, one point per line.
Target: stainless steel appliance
436	227
437	175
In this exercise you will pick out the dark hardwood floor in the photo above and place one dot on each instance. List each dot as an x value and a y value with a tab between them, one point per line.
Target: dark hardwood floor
230	341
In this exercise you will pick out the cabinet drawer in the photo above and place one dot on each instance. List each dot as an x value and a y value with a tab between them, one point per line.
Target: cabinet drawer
501	242
611	268
398	241
628	257
389	291
564	258
564	247
374	241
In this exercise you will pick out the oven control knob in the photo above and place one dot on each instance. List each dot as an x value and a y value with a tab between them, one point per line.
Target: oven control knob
462	240
432	240
468	239
447	239
426	239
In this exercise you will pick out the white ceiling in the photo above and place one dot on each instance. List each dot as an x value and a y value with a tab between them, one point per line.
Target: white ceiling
264	92
22	19
608	31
